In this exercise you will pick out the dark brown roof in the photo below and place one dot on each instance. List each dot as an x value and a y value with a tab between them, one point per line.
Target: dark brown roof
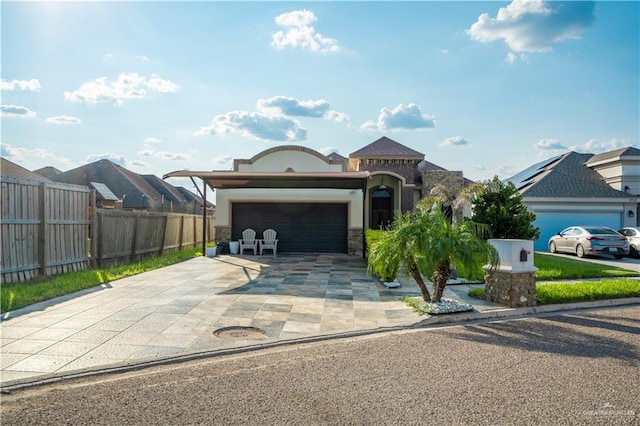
11	169
129	186
48	171
225	180
386	148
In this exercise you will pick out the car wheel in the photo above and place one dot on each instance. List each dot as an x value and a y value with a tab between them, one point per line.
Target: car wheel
618	256
579	251
552	247
634	252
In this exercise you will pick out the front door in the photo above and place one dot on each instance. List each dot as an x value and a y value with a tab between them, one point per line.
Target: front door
381	208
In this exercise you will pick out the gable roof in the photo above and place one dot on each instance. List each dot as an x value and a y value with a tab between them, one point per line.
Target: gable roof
48	171
120	180
628	151
9	168
386	148
165	189
564	176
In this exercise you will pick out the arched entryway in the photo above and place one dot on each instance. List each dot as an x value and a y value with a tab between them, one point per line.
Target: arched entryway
381	212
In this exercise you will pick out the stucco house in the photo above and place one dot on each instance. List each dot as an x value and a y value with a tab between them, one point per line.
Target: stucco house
582	189
321	203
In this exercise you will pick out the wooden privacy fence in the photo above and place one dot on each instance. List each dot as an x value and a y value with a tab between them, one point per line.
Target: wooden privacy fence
125	237
44	228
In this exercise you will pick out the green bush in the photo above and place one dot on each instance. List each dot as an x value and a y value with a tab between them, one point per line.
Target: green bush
385	272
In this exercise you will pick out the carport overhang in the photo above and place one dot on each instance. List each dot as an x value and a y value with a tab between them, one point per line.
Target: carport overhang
275	180
322	180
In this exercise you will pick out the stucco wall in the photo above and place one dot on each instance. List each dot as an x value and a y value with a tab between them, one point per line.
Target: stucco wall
297	161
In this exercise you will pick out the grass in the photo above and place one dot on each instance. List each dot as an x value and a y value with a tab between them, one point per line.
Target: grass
562	292
560	268
18	295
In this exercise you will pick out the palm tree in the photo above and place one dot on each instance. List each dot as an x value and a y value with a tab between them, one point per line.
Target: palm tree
425	243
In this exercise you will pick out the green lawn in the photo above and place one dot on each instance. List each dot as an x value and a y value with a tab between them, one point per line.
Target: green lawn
613	284
18	295
563	292
560	268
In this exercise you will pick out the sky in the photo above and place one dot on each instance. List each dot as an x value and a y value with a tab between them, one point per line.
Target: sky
488	88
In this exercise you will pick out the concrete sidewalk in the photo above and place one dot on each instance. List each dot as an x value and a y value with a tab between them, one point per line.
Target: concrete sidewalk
177	310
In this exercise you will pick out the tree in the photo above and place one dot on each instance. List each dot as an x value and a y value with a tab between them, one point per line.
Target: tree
500	206
425	243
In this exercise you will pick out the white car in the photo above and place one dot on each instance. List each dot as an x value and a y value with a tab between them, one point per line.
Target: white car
587	240
633	236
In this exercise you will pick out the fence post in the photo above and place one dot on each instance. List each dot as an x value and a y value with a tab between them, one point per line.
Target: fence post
180	241
164	233
133	237
43	255
93	250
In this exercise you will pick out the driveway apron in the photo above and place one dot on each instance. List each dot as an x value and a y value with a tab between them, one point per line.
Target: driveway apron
183	308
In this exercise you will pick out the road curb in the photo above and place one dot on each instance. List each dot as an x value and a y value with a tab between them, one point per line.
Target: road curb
510	313
433	321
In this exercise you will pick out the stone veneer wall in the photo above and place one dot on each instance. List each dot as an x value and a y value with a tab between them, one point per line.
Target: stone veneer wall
403	167
223	233
452	180
355	244
514	289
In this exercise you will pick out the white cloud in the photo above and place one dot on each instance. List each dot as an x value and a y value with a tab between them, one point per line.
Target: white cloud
297	108
127	86
33	84
116	158
224	159
16	111
139	164
403	116
454	141
594	147
165	155
256	125
479	167
157	84
299	33
549	144
151	141
142	58
34	158
63	119
534	25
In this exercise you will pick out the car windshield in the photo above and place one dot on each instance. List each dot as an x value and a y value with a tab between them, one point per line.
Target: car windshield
601	231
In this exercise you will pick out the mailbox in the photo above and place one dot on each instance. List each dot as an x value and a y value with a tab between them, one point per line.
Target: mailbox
523	255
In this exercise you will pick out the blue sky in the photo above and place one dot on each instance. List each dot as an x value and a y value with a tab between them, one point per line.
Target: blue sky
488	88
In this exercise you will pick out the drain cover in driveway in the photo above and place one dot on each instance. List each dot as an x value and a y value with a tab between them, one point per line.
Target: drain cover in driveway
240	333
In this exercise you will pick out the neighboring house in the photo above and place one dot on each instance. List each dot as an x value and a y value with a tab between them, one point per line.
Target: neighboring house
321	203
136	192
582	189
49	172
11	169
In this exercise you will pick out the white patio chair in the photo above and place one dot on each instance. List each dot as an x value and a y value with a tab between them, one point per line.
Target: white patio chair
269	241
248	241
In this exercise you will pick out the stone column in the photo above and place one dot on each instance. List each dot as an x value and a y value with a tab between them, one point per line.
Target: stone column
513	282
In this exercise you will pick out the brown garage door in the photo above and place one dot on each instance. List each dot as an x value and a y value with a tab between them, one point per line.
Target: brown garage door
301	227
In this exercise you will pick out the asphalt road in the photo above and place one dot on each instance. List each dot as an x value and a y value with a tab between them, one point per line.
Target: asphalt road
568	369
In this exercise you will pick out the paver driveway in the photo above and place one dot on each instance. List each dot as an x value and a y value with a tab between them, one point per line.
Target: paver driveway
175	310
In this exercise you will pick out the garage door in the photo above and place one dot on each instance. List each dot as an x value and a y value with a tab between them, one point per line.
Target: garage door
301	227
554	222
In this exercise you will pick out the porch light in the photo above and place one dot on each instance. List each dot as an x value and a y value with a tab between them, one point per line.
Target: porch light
630	213
382	186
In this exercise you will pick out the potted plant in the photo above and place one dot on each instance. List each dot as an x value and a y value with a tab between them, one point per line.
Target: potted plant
210	250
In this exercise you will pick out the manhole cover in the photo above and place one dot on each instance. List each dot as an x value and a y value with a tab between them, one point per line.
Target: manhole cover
240	333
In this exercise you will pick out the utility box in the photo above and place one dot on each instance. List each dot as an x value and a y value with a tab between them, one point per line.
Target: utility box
513	282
